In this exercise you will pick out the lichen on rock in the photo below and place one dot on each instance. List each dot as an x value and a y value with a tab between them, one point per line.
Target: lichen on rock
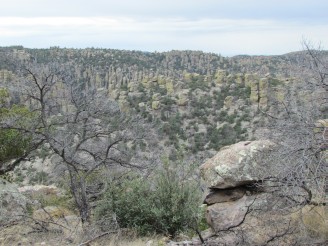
235	165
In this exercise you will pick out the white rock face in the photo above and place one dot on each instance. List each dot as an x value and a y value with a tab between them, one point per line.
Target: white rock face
40	189
235	165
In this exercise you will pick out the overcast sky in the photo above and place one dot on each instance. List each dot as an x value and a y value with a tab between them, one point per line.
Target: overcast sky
228	27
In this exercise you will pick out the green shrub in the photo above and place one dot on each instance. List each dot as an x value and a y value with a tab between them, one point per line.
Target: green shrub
131	203
13	143
166	203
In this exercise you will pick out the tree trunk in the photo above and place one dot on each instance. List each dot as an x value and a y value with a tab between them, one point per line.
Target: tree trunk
78	189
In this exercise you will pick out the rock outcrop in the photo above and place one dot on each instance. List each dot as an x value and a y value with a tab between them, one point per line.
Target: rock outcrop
235	165
241	211
33	190
221	76
183	98
12	203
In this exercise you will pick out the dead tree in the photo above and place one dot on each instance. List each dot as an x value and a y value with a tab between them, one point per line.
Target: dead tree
86	129
300	128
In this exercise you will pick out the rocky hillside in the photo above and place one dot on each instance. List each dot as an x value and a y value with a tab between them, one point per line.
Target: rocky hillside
203	106
200	100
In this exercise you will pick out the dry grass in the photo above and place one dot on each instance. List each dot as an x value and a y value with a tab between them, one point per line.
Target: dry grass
128	238
23	234
313	222
316	220
131	242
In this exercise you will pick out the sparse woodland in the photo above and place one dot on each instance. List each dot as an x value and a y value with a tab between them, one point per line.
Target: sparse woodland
106	144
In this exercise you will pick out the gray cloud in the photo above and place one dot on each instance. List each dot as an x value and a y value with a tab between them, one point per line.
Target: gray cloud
228	26
269	9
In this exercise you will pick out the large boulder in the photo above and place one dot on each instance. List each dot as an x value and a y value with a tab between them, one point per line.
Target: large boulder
236	165
227	215
248	221
241	212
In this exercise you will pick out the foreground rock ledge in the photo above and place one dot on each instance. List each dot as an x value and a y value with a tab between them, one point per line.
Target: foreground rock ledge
239	212
236	165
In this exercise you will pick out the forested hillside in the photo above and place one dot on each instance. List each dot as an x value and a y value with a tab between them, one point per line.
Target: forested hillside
200	100
111	141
